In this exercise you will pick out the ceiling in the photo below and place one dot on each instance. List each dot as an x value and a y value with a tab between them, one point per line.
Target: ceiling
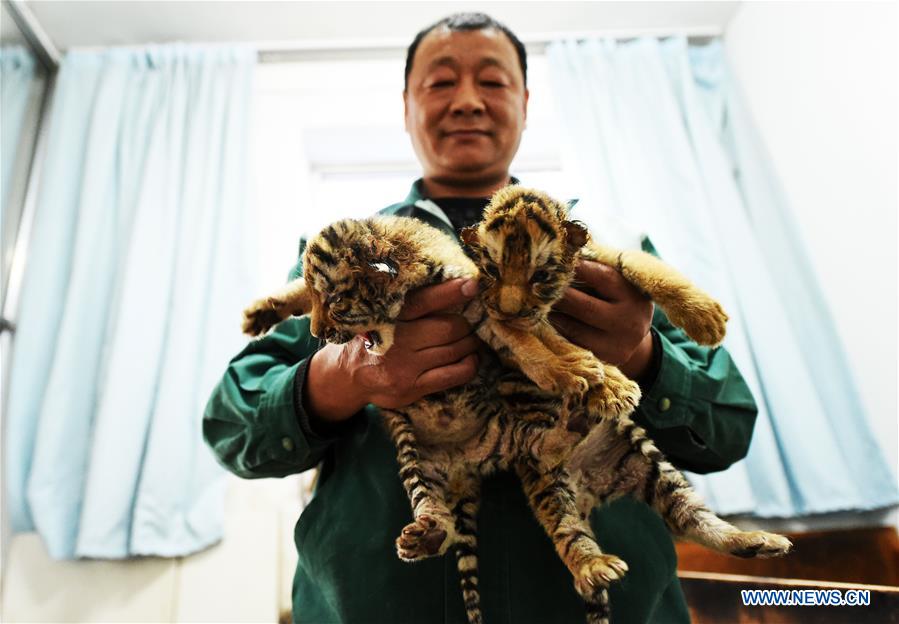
332	24
9	33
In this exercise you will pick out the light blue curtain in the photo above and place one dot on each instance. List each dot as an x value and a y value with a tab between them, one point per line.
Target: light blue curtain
138	268
17	78
658	136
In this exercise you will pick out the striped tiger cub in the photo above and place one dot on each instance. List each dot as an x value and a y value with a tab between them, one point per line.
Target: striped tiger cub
527	250
356	275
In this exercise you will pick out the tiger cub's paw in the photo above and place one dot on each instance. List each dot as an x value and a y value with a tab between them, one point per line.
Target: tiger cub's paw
598	572
559	381
750	544
703	318
263	314
589	368
422	539
617	396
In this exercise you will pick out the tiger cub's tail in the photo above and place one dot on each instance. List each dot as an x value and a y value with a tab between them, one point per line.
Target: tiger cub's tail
465	511
598	610
467	561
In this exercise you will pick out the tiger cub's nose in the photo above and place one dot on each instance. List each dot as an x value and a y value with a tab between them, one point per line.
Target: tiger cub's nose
510	299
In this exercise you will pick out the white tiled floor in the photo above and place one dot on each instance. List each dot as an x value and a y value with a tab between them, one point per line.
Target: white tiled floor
246	578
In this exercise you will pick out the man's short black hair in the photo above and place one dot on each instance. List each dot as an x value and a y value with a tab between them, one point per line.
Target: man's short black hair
463	22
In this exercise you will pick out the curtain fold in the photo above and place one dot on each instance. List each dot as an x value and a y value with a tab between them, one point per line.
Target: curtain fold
136	274
658	136
16	78
18	82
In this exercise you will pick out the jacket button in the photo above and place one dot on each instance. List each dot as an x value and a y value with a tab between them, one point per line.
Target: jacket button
287	443
664	404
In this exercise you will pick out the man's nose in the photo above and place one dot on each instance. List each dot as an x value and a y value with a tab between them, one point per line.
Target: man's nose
467	99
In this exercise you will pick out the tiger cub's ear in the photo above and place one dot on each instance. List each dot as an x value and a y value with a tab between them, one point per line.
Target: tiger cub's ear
381	270
379	264
575	235
469	235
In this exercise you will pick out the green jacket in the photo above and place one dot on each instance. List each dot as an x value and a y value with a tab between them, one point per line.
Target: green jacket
698	409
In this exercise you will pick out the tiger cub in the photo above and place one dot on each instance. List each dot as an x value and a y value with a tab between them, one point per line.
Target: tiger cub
356	275
527	251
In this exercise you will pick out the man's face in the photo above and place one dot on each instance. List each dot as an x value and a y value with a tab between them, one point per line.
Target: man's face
465	104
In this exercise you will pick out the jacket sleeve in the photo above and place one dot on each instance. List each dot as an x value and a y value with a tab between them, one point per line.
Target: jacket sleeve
699	409
254	421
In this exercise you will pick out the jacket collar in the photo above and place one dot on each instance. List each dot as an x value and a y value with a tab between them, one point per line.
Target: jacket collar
417	192
614	231
421	207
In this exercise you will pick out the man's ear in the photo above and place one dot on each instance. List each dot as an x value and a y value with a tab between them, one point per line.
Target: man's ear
575	235
406	110
527	94
469	235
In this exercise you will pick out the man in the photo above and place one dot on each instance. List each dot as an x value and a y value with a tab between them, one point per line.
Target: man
284	405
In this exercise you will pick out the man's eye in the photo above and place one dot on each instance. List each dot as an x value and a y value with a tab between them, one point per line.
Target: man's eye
540	276
493	84
442	84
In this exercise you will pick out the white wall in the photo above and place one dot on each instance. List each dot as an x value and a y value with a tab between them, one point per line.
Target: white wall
821	82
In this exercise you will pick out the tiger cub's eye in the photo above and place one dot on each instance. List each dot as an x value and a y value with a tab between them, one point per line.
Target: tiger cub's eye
540	276
491	270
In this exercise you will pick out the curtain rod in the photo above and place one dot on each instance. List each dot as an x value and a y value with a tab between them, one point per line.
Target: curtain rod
38	39
354	49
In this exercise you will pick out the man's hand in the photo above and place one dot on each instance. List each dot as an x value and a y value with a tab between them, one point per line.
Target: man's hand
613	321
433	350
